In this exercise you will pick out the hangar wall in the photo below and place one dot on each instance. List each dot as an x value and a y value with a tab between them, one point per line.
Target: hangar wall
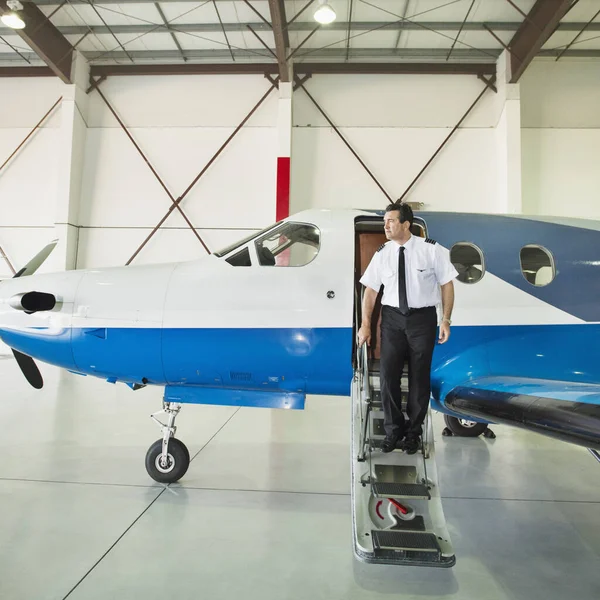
179	123
395	124
28	184
561	138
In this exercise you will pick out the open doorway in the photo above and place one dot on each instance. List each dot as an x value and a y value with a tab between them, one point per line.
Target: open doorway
369	236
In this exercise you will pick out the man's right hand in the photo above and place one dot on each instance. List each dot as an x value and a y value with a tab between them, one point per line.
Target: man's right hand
364	335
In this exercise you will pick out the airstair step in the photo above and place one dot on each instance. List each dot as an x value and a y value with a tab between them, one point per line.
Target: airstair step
405	540
415	524
400	490
376	399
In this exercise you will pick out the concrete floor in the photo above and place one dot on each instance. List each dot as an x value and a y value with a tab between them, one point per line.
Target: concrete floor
264	511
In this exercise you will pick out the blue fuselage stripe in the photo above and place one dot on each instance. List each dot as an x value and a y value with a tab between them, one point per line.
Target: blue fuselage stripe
312	361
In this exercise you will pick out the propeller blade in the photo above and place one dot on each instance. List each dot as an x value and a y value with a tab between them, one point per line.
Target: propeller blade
29	369
36	262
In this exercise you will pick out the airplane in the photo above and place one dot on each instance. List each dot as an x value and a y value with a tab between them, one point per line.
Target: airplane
273	317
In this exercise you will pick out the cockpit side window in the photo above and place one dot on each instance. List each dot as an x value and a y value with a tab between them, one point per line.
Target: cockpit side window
537	265
240	259
291	245
468	260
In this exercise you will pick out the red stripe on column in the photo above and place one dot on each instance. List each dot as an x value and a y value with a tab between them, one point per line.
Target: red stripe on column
283	188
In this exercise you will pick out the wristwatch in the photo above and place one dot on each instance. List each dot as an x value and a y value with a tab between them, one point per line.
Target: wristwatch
447	321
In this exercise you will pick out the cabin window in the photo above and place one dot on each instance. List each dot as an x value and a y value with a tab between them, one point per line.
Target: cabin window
468	260
240	259
291	245
537	265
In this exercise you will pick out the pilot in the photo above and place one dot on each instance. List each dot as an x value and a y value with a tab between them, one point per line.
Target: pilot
416	274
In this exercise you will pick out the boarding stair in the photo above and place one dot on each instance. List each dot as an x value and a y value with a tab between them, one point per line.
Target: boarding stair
397	507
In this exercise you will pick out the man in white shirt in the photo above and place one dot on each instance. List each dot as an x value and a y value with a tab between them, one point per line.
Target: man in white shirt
416	274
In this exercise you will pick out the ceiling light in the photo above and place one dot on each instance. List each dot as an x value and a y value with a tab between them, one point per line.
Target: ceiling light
324	14
12	19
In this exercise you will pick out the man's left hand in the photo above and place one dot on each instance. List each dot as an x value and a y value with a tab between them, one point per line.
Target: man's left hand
444	332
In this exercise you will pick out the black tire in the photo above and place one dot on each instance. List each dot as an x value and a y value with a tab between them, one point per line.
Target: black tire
179	461
461	428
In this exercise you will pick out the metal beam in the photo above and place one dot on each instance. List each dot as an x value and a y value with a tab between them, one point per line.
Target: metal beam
223	30
300	69
185	69
534	32
164	20
45	40
421	59
396	68
217	55
258	13
282	41
140	28
26	72
403	22
307	5
293	53
461	29
586	26
349	29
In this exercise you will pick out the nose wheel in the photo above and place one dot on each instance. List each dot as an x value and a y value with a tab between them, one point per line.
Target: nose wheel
168	459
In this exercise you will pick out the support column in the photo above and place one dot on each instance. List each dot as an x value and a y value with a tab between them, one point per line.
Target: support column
508	141
73	130
284	130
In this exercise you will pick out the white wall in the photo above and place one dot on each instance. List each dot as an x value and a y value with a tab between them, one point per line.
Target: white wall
179	123
395	124
28	182
560	112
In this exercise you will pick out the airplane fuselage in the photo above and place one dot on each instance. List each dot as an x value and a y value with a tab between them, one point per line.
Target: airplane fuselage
212	324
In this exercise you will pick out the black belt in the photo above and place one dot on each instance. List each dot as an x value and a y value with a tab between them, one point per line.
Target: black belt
411	311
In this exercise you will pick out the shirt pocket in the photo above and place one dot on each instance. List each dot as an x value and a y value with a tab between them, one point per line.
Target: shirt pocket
388	276
424	271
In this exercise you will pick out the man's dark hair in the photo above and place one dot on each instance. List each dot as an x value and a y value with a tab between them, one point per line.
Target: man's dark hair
406	213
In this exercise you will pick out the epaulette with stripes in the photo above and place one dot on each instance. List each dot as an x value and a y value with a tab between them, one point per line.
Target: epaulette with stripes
430	241
381	247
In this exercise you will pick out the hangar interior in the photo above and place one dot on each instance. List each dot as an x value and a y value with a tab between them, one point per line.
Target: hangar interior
242	113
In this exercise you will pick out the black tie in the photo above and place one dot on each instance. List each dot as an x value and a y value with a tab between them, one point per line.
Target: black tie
402	301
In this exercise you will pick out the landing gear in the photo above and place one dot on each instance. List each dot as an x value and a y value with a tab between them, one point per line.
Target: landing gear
168	459
466	428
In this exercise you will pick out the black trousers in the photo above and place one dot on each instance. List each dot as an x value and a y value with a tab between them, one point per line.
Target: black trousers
406	336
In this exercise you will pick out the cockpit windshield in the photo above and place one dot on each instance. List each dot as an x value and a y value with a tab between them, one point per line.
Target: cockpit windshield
240	243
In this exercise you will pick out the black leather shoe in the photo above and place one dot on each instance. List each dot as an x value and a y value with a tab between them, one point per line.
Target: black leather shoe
412	444
389	443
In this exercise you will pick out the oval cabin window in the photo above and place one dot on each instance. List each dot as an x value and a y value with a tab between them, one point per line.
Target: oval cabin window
468	260
537	265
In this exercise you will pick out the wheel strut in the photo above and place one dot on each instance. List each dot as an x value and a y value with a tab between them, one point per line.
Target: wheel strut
171	409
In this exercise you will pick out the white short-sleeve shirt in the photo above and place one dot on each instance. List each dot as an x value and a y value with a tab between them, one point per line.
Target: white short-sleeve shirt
427	266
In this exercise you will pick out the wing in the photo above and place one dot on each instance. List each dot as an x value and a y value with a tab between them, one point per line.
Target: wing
565	410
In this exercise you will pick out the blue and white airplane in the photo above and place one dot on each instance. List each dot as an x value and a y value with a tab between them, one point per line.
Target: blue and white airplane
273	318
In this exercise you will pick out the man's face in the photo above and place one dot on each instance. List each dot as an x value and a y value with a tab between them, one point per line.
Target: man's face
393	228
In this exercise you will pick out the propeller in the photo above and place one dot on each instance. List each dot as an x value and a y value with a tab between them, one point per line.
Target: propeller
36	262
29	369
26	363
